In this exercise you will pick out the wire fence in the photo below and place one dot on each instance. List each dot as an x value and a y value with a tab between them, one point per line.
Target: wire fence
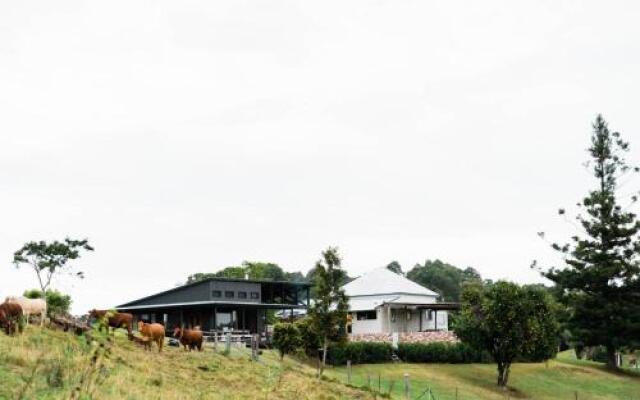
406	387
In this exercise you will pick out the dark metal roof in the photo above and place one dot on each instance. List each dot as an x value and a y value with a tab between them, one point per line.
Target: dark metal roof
212	303
177	288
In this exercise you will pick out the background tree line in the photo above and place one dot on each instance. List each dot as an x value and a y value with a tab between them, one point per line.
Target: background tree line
445	279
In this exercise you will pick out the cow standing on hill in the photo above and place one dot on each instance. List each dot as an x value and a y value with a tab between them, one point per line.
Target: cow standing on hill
191	338
10	318
153	332
30	307
114	319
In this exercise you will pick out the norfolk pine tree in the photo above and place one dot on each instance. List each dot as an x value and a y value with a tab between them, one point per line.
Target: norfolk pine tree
600	282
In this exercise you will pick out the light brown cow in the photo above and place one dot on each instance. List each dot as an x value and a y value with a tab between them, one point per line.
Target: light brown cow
155	332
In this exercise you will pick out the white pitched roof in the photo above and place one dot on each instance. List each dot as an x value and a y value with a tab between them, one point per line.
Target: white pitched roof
382	281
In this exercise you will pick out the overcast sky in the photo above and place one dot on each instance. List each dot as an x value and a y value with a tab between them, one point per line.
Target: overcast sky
182	137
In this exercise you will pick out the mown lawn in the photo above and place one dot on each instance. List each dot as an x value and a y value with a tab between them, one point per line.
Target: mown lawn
562	378
46	364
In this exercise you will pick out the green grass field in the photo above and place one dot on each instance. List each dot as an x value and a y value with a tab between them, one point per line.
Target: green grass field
562	378
46	364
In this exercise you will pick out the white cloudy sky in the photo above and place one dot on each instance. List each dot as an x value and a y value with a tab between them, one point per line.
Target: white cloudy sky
187	136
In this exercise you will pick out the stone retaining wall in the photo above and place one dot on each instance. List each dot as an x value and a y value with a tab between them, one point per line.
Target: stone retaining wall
407	337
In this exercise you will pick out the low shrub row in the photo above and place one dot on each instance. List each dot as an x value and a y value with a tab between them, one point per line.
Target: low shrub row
359	353
380	352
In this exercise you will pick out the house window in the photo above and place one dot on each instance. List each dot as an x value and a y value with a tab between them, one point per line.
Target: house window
242	295
229	294
364	315
255	295
429	315
216	293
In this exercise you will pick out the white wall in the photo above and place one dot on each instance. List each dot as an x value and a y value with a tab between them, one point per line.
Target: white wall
359	327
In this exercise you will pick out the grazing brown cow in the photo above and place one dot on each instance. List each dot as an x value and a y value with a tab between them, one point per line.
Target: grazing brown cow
11	318
154	332
115	320
189	337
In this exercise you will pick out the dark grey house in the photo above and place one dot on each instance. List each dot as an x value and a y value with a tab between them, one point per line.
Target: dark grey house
220	304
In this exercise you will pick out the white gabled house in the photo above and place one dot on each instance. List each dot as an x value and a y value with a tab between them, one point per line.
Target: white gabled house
382	301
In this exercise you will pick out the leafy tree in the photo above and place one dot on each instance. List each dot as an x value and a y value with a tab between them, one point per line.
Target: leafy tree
600	282
509	322
329	311
199	276
57	303
294	277
395	266
254	270
444	278
265	271
309	339
286	338
49	259
237	272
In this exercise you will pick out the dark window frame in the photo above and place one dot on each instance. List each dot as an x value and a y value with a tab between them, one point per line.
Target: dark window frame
229	294
216	294
255	295
242	295
366	315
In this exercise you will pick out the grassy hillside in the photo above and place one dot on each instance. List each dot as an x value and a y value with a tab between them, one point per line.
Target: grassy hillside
46	364
559	379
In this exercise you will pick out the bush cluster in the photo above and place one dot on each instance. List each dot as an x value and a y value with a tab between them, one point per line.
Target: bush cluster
359	353
379	352
286	338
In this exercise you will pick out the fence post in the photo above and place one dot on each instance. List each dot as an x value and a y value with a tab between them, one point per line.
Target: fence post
379	383
575	394
369	381
255	346
407	387
227	344
456	393
349	372
215	341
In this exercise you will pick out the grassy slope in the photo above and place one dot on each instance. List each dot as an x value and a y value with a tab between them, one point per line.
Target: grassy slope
57	361
559	380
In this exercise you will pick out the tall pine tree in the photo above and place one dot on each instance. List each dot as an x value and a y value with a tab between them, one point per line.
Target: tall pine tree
600	282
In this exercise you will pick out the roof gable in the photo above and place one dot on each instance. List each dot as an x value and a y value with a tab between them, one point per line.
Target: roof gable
383	281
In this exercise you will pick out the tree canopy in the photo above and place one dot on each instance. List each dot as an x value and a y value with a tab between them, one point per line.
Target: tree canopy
600	281
254	270
444	278
395	266
509	322
50	259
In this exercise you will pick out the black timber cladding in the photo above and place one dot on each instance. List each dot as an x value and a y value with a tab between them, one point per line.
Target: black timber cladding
216	290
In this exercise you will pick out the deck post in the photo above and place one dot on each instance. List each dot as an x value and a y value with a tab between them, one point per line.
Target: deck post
435	318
